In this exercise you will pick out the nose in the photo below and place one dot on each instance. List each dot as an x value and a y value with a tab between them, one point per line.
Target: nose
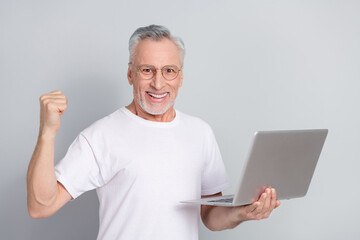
158	81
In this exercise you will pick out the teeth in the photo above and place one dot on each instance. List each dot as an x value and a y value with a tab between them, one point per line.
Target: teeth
157	96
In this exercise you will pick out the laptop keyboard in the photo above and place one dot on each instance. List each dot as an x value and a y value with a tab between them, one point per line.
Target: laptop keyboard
226	200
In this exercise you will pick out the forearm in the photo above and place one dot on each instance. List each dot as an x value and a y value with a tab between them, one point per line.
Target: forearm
220	218
41	181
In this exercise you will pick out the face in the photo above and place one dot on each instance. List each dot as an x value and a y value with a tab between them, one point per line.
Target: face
157	95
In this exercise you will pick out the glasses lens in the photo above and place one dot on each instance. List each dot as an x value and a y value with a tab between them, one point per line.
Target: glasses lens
146	72
170	72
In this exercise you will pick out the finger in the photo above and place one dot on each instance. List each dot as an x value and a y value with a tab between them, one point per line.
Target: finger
250	208
62	109
48	96
51	104
58	100
55	92
261	201
277	203
54	100
273	198
56	107
55	96
267	200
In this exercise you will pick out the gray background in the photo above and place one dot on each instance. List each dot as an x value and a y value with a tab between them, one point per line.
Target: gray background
250	65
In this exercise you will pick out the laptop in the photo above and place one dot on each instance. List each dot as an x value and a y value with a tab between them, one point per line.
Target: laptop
284	160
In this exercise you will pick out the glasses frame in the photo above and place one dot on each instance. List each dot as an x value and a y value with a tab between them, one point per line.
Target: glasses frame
156	70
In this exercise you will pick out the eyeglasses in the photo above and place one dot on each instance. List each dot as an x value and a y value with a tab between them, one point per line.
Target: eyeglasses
147	72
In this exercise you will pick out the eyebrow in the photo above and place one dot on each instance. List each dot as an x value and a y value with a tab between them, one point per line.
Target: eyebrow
148	65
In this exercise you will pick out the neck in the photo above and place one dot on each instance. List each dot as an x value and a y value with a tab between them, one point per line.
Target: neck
168	116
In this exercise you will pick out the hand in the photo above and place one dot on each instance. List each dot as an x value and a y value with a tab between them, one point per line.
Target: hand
52	106
260	209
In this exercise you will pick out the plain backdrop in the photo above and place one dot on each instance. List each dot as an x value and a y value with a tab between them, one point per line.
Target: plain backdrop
250	65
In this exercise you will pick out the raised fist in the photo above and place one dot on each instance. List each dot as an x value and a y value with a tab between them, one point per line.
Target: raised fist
52	106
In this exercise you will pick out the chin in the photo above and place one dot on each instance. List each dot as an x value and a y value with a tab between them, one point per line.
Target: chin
155	110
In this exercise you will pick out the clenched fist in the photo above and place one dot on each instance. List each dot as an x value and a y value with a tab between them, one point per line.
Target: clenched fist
52	106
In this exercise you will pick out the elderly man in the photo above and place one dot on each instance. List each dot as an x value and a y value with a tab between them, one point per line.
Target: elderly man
143	159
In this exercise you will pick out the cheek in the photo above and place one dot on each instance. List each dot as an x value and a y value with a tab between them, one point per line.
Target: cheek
175	89
139	90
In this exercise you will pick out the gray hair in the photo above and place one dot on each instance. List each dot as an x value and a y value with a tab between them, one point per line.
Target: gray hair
156	33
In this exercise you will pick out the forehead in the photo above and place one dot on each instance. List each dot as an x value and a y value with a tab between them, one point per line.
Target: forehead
157	53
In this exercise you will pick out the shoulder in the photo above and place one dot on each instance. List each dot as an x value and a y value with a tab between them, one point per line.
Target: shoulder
105	125
195	123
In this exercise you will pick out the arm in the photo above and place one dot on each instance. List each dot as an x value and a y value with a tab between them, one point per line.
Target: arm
218	218
45	195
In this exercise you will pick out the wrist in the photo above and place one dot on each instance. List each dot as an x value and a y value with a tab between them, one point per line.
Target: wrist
238	215
45	134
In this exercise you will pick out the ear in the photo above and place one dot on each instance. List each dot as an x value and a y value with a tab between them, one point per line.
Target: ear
181	78
130	76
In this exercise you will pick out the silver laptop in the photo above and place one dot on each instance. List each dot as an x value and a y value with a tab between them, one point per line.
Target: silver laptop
284	160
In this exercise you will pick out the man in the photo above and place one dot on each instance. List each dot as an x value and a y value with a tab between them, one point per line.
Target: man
143	159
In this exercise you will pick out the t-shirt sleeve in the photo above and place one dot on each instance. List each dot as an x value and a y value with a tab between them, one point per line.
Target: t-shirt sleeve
214	177
79	170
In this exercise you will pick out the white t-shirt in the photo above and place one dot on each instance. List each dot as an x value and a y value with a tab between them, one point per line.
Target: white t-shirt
141	171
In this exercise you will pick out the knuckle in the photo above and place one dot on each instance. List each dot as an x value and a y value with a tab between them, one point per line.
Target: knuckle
50	105
44	103
42	97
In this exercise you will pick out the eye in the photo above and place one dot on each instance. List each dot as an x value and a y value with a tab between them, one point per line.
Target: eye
171	70
146	70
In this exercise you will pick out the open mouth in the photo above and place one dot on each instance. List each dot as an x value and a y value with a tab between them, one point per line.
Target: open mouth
158	96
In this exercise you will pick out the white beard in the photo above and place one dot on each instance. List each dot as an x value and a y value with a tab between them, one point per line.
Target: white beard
147	109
